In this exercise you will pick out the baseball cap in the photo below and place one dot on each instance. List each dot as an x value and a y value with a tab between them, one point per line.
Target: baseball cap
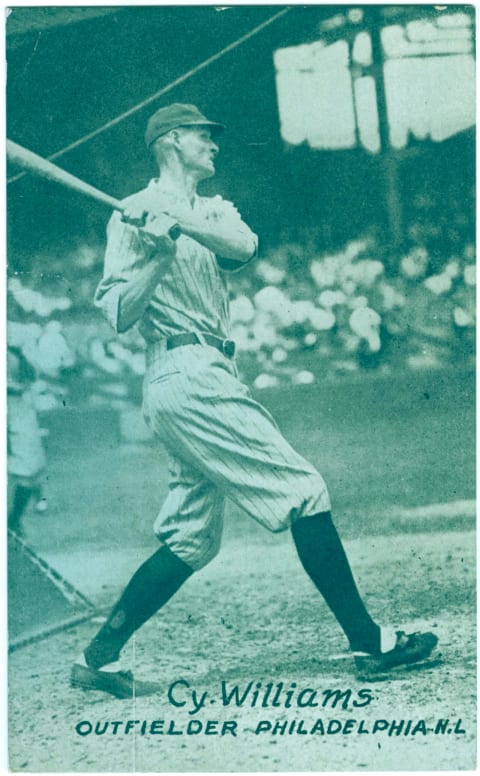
177	115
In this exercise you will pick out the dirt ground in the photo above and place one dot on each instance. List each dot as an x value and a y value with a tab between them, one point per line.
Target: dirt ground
252	616
401	477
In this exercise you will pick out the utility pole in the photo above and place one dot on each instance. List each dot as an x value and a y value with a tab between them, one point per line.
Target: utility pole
388	159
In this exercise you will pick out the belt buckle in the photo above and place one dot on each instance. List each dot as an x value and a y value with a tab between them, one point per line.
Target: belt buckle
228	348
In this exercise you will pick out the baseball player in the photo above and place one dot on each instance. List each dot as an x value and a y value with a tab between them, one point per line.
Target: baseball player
221	442
26	456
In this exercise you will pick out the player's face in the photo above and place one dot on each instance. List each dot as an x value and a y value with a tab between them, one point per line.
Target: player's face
198	151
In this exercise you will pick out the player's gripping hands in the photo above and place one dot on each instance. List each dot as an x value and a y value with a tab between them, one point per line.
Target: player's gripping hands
157	232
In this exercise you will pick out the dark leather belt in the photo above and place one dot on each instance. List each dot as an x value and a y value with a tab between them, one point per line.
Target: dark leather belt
225	346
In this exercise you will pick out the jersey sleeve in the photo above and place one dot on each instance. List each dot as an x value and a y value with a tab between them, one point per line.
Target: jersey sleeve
224	212
124	255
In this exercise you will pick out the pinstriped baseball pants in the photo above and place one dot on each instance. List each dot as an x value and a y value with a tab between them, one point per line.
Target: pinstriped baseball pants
221	444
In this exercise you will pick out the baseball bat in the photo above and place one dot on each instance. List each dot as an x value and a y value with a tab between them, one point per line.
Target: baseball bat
48	170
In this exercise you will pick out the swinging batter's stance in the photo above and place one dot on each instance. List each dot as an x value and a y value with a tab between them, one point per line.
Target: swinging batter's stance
221	442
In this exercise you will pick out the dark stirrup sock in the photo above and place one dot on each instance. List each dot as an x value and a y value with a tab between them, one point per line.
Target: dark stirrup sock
152	585
323	558
21	497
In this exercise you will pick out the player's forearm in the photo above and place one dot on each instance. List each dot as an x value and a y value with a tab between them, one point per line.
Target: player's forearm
136	293
238	245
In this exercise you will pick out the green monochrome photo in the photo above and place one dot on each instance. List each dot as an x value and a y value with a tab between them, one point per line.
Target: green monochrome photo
240	388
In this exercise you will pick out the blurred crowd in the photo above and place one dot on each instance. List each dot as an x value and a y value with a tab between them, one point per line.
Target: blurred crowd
298	313
343	312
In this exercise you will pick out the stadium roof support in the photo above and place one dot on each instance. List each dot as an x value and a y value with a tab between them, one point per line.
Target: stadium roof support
388	157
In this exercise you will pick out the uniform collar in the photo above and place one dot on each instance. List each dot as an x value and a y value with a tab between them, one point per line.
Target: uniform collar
160	189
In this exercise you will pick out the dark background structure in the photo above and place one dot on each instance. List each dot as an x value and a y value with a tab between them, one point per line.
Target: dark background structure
69	74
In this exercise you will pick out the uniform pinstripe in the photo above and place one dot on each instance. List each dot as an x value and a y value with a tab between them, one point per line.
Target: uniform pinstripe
193	294
221	442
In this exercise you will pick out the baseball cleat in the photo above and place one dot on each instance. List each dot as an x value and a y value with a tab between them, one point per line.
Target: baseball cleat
121	684
409	649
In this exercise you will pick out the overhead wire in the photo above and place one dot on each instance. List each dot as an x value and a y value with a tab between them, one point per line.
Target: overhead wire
181	79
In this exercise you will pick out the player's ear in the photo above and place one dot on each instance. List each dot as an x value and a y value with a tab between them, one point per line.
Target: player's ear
174	135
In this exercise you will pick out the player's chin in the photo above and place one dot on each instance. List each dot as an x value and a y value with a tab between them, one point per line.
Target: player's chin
208	170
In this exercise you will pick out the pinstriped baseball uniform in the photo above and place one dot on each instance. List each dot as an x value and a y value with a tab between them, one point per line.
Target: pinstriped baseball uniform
221	442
